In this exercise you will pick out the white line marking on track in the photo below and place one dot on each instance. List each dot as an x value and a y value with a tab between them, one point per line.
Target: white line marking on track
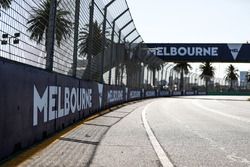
156	145
221	113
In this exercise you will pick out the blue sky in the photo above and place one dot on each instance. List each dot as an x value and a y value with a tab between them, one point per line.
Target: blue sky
193	21
223	21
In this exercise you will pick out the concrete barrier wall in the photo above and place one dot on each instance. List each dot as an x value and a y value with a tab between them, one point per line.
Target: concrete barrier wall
35	103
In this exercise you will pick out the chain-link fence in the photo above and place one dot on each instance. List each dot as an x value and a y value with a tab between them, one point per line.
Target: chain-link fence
93	39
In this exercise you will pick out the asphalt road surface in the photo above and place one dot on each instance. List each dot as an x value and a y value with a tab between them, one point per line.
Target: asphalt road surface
184	132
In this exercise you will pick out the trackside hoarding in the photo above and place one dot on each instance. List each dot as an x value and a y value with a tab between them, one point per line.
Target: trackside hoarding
200	52
35	103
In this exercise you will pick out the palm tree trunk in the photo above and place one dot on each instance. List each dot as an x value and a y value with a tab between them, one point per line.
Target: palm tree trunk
158	78
147	76
116	74
151	78
140	77
154	77
182	80
231	84
122	66
206	82
50	32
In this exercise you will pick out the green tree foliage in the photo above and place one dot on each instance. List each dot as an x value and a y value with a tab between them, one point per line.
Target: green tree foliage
97	46
84	39
207	72
248	77
154	66
183	68
39	23
231	75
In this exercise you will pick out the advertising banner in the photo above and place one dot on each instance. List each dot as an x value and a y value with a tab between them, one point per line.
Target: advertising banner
189	93
200	52
164	93
113	95
134	94
176	93
202	93
150	93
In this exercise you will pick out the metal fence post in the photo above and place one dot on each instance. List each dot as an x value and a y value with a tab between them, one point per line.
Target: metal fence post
76	34
140	75
162	70
147	77
141	67
124	39
112	41
134	38
171	76
127	83
51	35
90	41
166	75
104	38
120	31
129	49
119	41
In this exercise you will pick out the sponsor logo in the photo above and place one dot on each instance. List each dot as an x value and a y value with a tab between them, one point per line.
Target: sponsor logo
164	93
235	49
176	93
150	93
56	102
115	96
202	93
134	94
100	92
189	93
184	51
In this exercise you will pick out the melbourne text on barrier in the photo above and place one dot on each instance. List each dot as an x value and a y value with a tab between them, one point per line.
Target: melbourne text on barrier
56	102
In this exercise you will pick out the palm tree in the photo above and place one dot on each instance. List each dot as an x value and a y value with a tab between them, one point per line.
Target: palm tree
248	76
97	43
231	74
132	69
84	38
39	23
5	4
207	72
182	68
154	67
